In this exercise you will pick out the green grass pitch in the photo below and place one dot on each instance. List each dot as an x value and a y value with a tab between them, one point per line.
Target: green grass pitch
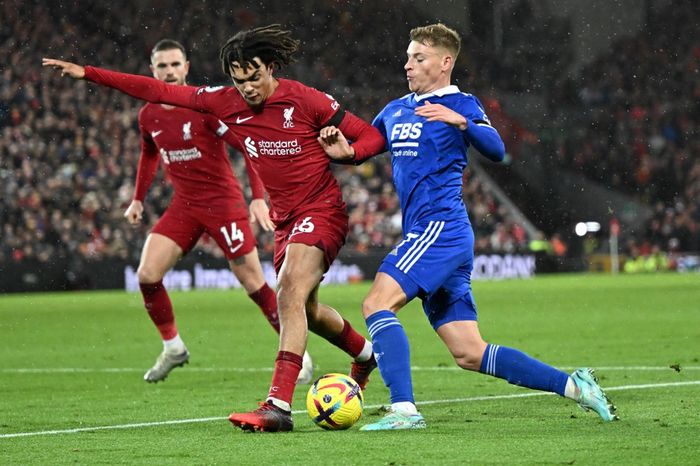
71	388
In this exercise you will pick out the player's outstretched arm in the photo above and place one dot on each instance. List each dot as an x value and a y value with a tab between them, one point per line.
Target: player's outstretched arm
66	68
140	87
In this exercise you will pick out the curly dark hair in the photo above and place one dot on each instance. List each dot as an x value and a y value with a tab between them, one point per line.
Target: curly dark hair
271	44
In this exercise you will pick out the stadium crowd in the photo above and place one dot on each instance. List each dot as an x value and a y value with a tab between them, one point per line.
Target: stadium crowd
69	152
632	118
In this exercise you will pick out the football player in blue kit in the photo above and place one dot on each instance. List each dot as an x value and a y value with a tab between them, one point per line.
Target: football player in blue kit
428	133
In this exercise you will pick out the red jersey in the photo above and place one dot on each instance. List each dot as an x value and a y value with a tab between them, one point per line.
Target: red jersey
279	138
191	147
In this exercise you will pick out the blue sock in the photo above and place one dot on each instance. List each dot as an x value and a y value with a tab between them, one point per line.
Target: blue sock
520	369
390	345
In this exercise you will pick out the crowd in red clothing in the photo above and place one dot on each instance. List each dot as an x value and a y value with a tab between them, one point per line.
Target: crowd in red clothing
69	151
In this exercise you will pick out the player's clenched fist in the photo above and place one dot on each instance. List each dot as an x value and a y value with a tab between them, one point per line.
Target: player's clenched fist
134	212
67	68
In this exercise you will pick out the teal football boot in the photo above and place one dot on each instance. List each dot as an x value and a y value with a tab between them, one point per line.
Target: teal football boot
395	420
593	397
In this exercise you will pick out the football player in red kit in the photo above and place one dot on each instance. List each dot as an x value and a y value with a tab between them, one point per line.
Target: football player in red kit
278	122
208	199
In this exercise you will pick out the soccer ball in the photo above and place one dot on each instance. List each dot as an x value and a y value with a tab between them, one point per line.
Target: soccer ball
334	402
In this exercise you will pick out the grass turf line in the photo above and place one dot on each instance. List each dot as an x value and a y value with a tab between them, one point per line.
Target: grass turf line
590	320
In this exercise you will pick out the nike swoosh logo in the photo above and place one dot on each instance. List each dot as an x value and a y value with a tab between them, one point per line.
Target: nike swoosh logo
155	133
240	120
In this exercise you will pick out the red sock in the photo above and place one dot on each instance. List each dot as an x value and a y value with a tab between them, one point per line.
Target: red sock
284	379
266	299
349	340
159	308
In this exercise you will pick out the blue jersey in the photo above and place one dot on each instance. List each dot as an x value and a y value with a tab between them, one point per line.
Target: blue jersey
429	158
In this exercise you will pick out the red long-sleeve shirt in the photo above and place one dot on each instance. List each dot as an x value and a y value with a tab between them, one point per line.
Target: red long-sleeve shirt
191	147
279	139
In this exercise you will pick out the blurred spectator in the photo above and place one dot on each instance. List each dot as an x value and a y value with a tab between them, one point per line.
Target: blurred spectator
558	246
634	125
69	151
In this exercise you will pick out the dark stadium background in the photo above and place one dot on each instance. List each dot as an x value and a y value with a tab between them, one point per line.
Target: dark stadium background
599	105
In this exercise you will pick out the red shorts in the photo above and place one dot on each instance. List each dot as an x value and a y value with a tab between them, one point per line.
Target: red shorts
324	229
229	227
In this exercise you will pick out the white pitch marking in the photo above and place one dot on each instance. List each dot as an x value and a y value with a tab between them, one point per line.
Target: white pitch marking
121	426
70	370
429	402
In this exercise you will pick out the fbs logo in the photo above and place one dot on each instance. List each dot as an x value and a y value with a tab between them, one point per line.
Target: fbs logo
406	131
250	147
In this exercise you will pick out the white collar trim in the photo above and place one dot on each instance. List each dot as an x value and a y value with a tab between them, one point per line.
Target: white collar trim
451	89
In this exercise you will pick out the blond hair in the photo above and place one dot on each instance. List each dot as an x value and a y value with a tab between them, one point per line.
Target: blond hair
438	35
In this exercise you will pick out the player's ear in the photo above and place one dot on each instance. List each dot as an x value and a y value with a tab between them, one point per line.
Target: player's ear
187	67
447	62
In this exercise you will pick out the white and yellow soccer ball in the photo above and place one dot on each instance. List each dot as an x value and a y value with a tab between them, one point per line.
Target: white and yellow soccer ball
334	402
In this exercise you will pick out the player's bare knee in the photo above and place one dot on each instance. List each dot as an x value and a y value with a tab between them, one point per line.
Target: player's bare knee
250	276
369	307
467	361
313	321
372	303
289	297
284	297
468	356
250	282
148	275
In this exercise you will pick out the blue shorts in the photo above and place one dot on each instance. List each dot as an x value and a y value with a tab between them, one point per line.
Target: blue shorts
434	262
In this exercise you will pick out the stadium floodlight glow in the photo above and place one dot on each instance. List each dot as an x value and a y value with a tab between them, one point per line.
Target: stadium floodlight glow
586	227
592	227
